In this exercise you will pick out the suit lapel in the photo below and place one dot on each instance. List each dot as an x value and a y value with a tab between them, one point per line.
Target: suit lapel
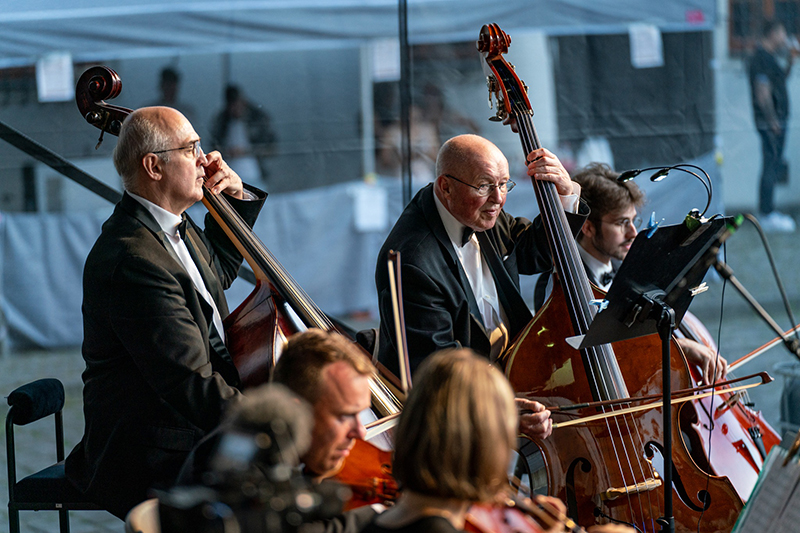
507	291
198	252
437	227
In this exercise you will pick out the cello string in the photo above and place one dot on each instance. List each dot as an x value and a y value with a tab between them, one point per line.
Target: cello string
551	208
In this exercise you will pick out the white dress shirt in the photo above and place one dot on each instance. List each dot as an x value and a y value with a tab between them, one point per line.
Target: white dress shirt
480	277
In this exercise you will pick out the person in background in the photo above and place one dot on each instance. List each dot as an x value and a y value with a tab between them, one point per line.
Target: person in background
604	242
169	88
768	74
244	133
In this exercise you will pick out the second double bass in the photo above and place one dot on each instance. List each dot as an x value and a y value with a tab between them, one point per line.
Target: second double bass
611	470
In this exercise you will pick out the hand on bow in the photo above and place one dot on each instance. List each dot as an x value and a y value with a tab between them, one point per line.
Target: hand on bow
704	358
220	177
534	419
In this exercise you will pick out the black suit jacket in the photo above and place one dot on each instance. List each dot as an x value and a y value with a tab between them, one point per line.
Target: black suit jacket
439	306
153	383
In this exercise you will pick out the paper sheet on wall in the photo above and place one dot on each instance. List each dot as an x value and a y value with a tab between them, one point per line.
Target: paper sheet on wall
54	78
370	208
647	50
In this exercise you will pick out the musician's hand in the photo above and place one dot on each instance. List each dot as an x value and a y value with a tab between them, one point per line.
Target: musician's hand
703	357
220	177
611	528
534	419
544	165
554	508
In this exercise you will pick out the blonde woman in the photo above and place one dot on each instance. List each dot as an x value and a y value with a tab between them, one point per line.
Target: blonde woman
453	445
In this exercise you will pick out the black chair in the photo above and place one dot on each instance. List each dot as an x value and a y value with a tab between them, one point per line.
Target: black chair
48	489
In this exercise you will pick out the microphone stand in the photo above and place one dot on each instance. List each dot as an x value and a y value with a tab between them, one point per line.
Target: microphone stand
793	345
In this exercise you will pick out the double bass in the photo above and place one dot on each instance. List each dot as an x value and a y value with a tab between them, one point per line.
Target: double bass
611	470
277	307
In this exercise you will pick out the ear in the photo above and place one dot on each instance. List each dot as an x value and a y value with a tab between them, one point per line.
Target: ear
443	184
589	230
152	165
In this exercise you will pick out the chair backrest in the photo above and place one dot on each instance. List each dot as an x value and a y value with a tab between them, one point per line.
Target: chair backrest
143	518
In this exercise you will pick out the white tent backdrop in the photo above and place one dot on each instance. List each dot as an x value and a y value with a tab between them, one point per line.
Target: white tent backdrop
102	30
315	61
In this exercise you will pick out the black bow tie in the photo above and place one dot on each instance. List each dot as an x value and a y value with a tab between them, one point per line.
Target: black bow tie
182	226
606	278
465	236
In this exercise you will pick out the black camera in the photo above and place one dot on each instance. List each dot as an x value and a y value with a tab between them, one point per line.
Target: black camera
243	493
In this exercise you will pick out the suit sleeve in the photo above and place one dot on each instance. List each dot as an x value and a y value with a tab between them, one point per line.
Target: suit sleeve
529	239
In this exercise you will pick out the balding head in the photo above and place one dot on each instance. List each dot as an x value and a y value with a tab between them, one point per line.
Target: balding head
159	158
145	130
463	164
462	154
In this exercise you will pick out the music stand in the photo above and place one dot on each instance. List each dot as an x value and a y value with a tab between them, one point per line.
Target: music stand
650	294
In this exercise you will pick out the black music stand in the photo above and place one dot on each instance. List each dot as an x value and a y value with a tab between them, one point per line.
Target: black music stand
650	294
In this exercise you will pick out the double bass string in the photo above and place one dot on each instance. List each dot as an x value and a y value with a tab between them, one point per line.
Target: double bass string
550	207
297	298
271	266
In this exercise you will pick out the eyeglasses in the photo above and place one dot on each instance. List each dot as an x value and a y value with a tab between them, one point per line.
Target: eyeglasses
487	188
623	224
195	147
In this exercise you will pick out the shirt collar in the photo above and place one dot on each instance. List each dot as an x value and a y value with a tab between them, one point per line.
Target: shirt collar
453	227
168	222
595	266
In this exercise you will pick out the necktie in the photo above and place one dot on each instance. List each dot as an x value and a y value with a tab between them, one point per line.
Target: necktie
182	226
465	236
607	278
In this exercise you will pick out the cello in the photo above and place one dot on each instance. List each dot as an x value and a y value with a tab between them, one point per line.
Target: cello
734	438
611	470
277	307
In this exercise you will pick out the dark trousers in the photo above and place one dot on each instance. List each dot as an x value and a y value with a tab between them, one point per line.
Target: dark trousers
772	160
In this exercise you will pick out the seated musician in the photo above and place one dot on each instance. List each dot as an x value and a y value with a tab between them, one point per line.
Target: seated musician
453	446
605	239
158	375
331	374
462	256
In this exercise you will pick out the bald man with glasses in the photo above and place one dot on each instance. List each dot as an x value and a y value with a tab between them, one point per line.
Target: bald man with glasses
158	375
462	255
